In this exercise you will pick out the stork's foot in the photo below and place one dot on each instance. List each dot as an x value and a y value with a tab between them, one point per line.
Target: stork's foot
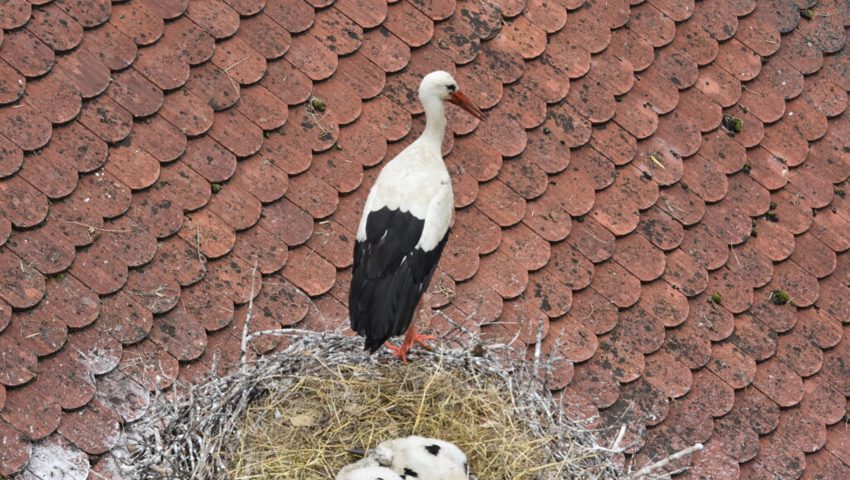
410	339
398	352
422	340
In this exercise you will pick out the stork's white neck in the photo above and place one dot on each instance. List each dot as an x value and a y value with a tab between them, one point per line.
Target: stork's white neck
435	121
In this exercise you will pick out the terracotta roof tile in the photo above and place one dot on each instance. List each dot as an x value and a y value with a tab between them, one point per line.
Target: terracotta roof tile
627	45
660	443
214	86
644	330
125	319
106	119
17	14
35	419
822	404
12	157
500	203
56	455
309	271
54	27
460	261
166	9
119	394
546	15
24	126
570	267
409	24
94	428
149	365
667	374
53	96
207	303
18	450
216	17
837	442
19	363
727	223
138	22
23	286
823	330
540	75
823	464
509	283
191	43
635	116
24	51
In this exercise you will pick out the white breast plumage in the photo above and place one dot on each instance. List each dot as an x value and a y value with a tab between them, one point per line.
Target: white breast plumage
414	183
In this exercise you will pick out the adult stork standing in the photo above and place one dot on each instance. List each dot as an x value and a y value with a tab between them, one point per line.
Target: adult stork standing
404	227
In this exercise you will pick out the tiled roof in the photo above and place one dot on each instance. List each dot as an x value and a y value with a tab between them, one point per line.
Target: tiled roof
152	152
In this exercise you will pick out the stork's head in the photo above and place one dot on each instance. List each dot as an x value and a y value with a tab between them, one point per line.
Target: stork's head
442	85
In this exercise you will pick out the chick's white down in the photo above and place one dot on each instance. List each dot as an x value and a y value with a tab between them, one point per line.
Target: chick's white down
429	458
366	471
413	457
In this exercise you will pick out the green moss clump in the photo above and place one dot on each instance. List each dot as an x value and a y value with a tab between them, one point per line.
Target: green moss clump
733	124
216	187
318	104
715	298
779	297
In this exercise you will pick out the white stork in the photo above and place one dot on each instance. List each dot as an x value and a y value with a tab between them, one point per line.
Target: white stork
412	457
404	227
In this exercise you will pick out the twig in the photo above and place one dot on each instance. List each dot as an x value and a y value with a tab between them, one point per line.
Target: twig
538	346
735	255
615	446
666	461
232	82
248	316
92	227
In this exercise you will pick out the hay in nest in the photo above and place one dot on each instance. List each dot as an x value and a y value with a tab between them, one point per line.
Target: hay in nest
305	429
295	414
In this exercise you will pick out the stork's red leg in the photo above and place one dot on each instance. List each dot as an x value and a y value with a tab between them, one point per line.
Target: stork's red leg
410	338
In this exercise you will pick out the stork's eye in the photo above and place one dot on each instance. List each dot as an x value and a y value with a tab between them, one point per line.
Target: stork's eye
452	88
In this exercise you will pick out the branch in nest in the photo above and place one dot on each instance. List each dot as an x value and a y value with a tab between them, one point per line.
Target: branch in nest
244	350
664	462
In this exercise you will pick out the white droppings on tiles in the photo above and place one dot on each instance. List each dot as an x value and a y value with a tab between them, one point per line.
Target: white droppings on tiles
55	459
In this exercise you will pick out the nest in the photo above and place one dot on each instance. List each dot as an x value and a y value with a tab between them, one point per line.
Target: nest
296	414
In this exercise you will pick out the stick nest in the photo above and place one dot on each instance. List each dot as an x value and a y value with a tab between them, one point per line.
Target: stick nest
296	413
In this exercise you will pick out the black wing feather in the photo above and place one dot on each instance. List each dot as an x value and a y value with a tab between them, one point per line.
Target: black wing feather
389	276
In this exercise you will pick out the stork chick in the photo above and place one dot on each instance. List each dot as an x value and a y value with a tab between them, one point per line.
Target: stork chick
420	458
404	227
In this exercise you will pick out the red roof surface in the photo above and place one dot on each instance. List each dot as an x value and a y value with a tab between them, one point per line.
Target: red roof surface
151	152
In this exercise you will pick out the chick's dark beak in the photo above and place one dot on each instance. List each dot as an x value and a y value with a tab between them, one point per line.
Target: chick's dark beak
360	452
462	101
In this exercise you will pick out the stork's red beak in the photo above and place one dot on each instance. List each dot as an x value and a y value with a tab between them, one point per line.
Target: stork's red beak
462	101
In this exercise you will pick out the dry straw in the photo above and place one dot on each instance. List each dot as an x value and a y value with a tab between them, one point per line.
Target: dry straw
296	413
